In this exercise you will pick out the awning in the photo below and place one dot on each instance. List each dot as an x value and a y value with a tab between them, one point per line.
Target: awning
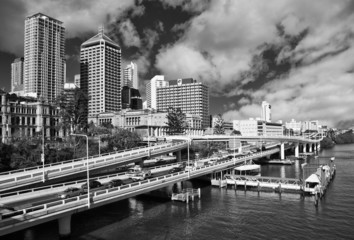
313	179
248	167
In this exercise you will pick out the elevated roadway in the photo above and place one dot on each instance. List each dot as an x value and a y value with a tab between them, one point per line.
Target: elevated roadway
27	176
63	209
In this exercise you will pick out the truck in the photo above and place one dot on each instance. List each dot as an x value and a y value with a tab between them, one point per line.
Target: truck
137	173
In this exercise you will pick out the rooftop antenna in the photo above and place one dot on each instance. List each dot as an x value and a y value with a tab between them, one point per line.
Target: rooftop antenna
101	29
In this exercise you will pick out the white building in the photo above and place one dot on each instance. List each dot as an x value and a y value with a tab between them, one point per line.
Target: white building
253	127
295	126
44	57
151	92
266	112
187	94
100	74
77	80
17	77
130	76
312	125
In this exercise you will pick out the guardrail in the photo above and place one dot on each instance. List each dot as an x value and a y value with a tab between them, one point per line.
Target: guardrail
64	170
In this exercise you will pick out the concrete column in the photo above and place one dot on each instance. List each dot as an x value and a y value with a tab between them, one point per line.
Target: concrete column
65	226
297	150
304	148
282	152
179	156
310	147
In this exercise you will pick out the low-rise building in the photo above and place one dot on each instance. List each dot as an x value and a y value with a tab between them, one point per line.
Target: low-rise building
254	127
22	117
147	122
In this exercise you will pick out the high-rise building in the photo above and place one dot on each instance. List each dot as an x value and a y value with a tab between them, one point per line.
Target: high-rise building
187	94
151	86
130	76
44	58
100	74
266	112
17	76
131	98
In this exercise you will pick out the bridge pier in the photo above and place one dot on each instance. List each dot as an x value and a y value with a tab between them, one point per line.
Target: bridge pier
310	147
65	226
297	150
282	152
304	148
179	156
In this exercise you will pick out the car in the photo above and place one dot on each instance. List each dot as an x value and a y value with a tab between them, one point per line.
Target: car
176	169
70	192
93	184
115	183
212	161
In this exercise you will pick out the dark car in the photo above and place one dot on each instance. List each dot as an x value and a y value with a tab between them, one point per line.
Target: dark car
176	169
93	184
115	183
70	192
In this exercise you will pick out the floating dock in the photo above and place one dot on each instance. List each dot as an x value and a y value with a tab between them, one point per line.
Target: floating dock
186	194
265	183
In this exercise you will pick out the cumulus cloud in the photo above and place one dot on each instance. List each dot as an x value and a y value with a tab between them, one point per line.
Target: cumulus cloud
129	34
297	55
79	17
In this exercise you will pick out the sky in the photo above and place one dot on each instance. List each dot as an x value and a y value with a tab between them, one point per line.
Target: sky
298	55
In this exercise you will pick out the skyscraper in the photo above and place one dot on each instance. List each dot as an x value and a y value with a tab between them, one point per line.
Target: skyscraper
266	112
188	94
130	76
44	58
100	74
151	86
17	76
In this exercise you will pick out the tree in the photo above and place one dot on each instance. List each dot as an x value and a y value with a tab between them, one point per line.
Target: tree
326	143
236	133
176	121
72	111
219	125
93	130
121	139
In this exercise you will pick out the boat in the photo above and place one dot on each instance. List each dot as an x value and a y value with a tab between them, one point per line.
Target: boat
281	162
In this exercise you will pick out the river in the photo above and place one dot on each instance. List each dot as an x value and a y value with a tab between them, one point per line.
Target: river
224	213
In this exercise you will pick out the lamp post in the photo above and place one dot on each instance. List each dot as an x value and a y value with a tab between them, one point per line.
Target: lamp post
42	155
188	158
87	167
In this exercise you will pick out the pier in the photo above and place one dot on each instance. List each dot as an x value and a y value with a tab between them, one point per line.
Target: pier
265	183
186	194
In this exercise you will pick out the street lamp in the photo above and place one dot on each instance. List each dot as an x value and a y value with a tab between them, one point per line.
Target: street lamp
188	158
87	167
42	155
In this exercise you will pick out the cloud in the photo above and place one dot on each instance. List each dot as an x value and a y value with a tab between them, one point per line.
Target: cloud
79	17
297	55
130	36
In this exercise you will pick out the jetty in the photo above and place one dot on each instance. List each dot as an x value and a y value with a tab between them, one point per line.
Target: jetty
186	194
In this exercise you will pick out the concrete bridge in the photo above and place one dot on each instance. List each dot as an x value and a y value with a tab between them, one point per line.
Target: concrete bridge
63	209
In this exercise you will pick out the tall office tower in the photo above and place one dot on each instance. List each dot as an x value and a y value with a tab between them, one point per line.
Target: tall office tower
188	94
17	76
44	65
130	76
266	112
100	74
151	86
77	80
